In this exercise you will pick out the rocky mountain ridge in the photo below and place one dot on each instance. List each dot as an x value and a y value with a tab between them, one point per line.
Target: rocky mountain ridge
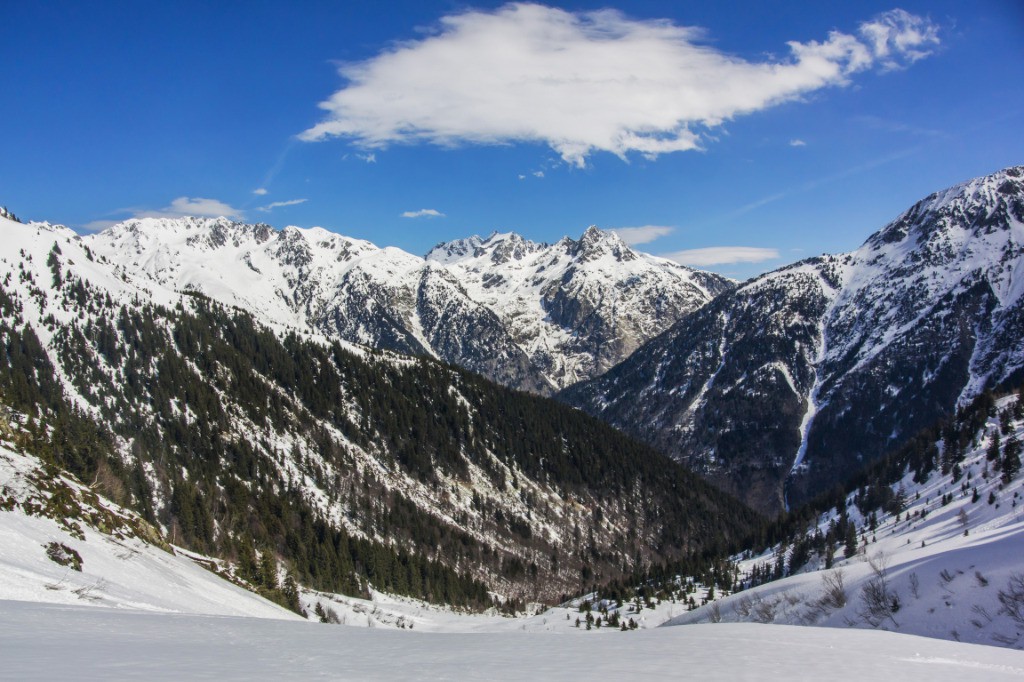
577	307
799	377
531	316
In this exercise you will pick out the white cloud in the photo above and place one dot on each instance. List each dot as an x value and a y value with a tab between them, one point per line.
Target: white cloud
587	81
179	208
797	143
260	191
278	204
423	213
368	158
187	206
99	225
538	174
643	234
898	38
722	255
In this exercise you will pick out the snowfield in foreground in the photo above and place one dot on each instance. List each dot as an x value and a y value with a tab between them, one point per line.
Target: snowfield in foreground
101	644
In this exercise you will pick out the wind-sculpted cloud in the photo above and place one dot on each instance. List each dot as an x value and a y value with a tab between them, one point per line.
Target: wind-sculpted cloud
644	234
588	81
722	255
423	213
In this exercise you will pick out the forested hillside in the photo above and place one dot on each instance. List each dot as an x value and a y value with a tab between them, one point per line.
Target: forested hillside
350	466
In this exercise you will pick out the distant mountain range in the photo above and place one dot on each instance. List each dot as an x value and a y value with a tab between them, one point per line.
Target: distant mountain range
791	382
536	317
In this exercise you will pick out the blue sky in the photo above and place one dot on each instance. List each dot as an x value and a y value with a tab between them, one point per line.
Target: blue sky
744	135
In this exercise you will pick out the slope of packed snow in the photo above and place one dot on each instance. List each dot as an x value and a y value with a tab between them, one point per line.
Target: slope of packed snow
118	569
943	564
104	644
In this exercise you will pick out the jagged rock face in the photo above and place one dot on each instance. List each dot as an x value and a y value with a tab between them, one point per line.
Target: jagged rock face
799	377
530	316
576	307
322	282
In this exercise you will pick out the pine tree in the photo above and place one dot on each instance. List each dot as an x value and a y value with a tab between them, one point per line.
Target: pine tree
1011	459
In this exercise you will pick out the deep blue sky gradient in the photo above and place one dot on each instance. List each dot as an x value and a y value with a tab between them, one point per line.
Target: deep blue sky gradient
115	107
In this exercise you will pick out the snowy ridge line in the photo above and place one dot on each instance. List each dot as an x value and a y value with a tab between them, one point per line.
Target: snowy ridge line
878	342
535	311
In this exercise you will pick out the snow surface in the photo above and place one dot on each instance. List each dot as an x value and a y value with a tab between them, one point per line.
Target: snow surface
106	644
120	573
958	576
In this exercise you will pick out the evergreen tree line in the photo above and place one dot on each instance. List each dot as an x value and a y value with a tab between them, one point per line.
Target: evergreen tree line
874	490
158	378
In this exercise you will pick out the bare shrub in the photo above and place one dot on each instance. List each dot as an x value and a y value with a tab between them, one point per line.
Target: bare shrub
878	602
945	577
1012	598
982	611
1005	640
764	610
833	594
982	580
715	613
743	606
915	585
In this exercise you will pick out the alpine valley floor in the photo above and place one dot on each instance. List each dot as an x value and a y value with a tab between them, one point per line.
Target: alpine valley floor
43	641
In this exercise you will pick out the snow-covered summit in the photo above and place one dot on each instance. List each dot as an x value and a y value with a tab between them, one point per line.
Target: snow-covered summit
579	306
798	377
530	315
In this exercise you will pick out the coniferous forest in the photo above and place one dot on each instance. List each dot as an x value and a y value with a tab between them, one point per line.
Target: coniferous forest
240	441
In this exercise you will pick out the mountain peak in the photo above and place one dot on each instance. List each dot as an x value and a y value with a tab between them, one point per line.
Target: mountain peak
977	207
595	242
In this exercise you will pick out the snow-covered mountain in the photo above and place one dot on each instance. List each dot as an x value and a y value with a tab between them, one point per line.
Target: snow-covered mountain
576	307
351	465
530	316
799	377
318	281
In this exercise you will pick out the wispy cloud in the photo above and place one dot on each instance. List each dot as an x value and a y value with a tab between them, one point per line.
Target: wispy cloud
179	208
722	255
826	180
423	213
582	82
278	204
188	206
368	158
797	143
878	123
99	225
260	191
643	234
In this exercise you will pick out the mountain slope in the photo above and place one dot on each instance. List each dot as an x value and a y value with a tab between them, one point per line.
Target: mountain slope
926	542
351	466
530	316
322	282
797	378
577	307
